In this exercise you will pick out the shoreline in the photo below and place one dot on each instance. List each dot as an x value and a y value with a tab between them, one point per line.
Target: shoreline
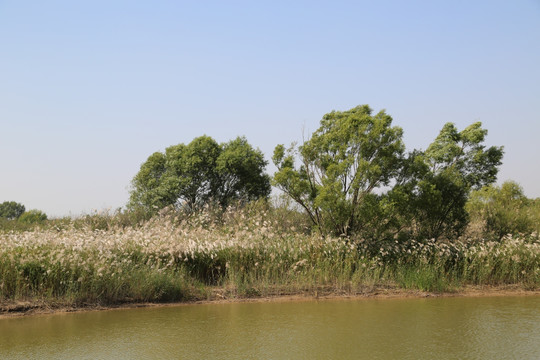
28	308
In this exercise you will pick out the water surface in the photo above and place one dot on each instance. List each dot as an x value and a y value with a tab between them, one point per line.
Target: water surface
443	328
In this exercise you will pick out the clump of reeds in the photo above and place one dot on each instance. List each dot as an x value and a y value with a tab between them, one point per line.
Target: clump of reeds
247	252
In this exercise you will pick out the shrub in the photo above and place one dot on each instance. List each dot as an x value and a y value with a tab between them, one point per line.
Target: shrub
502	210
33	217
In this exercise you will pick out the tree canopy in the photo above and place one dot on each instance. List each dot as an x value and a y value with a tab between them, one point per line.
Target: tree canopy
11	210
200	172
434	185
353	176
352	154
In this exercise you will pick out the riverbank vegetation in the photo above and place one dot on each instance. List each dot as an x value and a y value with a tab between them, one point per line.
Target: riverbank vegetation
356	212
251	251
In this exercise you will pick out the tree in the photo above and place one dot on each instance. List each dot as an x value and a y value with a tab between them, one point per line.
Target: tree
200	172
11	210
351	155
240	175
432	190
464	153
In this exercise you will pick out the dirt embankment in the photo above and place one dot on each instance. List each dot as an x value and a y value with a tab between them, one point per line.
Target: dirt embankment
218	295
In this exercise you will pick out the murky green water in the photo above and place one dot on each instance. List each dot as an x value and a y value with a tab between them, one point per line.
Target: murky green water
450	328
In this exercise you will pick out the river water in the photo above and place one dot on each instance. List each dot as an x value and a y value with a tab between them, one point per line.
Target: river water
432	328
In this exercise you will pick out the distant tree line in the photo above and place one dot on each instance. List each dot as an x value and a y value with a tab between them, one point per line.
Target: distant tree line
11	211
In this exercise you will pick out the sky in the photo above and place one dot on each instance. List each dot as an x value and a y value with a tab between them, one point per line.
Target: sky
90	89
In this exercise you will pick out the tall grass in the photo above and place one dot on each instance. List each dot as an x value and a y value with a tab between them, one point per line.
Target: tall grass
239	253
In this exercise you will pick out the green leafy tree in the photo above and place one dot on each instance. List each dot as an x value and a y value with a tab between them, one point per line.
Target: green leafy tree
239	172
33	217
11	210
464	153
503	210
346	160
432	190
200	172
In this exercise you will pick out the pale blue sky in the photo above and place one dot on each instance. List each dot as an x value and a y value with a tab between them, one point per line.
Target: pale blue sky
88	90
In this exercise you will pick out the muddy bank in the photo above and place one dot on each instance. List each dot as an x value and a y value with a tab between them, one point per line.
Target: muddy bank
221	295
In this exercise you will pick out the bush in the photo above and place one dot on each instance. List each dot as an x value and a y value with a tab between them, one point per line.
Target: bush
502	210
33	217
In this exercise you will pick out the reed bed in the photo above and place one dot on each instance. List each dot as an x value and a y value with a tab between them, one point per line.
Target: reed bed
243	254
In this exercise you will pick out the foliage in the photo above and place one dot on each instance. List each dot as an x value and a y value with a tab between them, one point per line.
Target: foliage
240	173
431	192
353	157
33	217
464	153
244	253
198	173
11	210
502	210
350	156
